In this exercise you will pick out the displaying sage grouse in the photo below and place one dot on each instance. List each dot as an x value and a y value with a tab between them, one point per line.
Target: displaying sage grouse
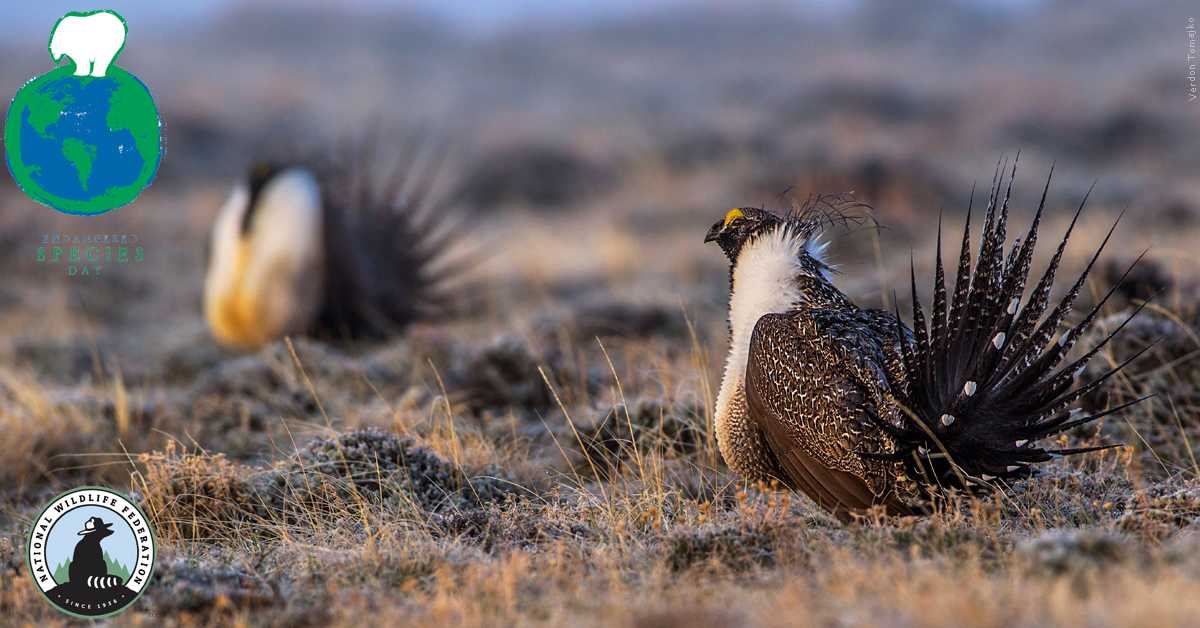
327	248
855	410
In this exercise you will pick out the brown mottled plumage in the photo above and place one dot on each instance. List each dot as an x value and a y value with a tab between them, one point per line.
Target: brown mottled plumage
823	365
854	409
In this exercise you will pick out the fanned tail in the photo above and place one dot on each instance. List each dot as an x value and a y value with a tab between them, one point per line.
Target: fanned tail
986	378
387	242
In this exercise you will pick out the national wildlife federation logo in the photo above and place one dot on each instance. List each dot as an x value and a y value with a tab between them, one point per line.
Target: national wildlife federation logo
85	137
91	552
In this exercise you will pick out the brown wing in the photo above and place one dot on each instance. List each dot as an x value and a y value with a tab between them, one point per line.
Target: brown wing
811	379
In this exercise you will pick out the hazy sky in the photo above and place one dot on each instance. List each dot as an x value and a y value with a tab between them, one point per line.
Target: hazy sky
471	14
34	19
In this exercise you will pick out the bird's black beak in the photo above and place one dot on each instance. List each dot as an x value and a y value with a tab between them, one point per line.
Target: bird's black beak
715	232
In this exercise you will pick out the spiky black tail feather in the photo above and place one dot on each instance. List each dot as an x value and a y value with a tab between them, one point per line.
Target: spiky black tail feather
387	242
984	377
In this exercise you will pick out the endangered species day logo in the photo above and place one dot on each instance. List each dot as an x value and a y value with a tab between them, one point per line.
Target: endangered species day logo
91	552
84	138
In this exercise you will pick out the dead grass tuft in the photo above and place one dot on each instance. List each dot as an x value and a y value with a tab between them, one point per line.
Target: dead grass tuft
350	479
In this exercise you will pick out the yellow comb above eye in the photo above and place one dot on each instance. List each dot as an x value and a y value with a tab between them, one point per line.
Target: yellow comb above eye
733	215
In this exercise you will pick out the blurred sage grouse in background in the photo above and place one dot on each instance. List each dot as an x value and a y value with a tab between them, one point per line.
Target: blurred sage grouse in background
856	410
328	248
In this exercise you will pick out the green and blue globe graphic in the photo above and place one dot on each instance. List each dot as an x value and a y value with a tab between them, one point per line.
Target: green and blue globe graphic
83	144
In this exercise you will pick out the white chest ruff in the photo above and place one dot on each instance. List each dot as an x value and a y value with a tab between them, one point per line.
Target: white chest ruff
764	282
266	282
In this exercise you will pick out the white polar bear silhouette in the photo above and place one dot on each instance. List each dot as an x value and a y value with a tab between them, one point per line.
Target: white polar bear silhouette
91	40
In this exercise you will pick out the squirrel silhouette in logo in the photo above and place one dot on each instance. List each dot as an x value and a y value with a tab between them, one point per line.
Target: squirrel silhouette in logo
88	567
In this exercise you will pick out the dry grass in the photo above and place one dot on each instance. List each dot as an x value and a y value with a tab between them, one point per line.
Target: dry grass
603	503
563	471
547	458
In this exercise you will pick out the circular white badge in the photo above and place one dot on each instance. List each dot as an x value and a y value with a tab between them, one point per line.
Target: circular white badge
91	552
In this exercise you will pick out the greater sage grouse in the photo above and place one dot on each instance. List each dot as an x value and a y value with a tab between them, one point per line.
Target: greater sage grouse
327	248
856	410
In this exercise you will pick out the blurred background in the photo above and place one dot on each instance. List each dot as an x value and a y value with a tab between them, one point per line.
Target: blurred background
593	143
590	146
